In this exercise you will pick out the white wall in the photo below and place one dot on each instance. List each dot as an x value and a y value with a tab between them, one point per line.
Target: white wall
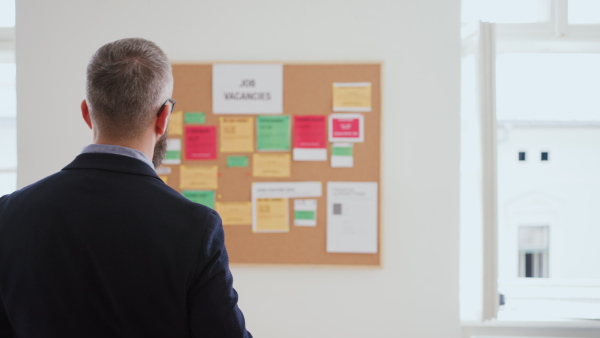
415	294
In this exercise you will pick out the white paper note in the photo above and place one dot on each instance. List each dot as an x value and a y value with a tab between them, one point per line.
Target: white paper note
307	154
352	214
286	189
305	212
163	170
342	155
173	147
247	88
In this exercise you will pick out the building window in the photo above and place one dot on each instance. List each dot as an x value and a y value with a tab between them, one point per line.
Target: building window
521	156
533	251
544	156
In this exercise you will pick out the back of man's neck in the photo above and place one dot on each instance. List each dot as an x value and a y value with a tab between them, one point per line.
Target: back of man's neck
144	147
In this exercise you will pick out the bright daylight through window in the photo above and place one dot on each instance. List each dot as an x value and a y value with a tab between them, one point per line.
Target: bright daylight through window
8	109
544	62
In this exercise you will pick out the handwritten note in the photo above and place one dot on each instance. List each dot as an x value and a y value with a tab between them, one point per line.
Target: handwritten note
199	177
271	215
235	213
237	134
352	97
310	138
272	165
204	197
274	133
200	143
175	126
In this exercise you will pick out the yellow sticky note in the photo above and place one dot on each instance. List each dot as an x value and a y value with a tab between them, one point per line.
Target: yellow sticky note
237	134
176	123
271	165
203	177
352	96
164	179
272	215
235	213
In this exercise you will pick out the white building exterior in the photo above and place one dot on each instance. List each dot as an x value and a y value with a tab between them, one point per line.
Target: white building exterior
562	193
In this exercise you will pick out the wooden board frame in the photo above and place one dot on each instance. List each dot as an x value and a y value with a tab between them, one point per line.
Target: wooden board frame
307	91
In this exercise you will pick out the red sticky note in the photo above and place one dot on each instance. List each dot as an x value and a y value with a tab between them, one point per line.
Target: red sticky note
200	142
310	131
346	128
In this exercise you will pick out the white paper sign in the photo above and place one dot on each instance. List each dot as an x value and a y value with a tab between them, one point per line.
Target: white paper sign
342	155
163	170
305	212
310	154
352	215
286	189
173	144
247	88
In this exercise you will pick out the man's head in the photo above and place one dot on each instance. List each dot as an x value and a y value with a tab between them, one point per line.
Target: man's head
128	81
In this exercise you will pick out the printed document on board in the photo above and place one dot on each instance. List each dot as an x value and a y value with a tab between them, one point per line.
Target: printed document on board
352	216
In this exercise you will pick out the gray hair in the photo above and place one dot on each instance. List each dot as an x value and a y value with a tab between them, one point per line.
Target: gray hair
128	80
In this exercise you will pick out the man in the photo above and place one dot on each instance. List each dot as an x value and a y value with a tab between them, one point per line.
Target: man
104	248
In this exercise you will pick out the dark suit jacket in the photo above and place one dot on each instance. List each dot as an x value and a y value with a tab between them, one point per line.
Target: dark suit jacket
104	248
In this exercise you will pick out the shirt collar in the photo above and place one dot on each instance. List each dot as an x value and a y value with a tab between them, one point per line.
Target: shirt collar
117	150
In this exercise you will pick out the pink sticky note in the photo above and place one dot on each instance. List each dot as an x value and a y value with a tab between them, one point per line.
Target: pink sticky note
310	131
346	128
200	142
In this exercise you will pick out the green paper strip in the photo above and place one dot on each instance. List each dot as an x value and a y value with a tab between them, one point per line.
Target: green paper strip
273	133
304	214
204	197
237	161
342	151
173	155
194	118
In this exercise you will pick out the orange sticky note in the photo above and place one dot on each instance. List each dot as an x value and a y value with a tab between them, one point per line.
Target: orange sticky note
272	215
235	213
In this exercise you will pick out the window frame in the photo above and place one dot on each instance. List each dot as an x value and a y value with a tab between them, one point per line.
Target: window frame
552	34
7	45
7	55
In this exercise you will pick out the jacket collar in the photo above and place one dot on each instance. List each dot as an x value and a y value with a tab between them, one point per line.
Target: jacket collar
111	162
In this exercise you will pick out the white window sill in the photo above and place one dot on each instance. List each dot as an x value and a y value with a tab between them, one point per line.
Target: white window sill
531	329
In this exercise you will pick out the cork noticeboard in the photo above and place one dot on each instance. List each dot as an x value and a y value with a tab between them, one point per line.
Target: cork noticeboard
307	90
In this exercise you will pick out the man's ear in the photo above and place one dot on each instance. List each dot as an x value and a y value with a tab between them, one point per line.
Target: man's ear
162	120
85	113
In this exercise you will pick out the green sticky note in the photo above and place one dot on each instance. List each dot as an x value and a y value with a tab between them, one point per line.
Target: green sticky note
237	161
173	155
194	118
205	197
273	133
304	214
342	151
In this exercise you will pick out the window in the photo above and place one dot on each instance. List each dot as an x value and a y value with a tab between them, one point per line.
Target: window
8	135
533	251
535	89
548	86
584	11
8	108
500	11
7	13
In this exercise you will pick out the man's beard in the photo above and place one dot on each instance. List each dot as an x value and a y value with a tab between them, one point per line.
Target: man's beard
160	149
